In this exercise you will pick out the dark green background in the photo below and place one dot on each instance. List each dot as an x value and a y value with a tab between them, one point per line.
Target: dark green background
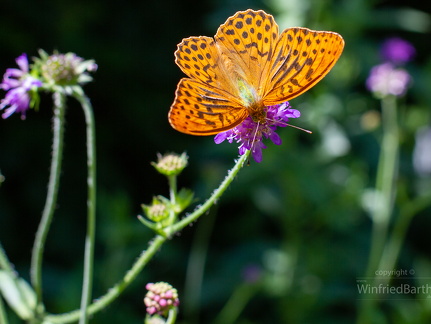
297	215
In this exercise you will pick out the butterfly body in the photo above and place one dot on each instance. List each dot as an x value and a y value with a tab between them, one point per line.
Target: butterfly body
245	68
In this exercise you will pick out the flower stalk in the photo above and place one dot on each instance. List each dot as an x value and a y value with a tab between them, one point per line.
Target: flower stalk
91	206
385	195
147	255
51	198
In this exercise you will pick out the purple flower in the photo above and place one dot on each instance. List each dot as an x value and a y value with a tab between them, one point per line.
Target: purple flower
250	134
397	51
18	83
385	79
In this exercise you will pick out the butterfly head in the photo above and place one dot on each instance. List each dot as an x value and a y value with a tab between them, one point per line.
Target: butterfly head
257	111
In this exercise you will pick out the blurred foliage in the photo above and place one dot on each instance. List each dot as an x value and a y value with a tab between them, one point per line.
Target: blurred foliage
297	216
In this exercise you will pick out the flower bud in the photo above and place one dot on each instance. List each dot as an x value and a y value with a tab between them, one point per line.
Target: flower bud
157	211
170	164
160	298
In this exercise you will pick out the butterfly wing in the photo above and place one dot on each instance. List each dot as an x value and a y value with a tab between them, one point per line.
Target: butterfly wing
302	57
246	41
200	109
204	104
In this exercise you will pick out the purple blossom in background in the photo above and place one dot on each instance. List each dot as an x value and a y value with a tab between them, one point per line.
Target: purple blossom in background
397	51
252	273
18	83
385	79
250	134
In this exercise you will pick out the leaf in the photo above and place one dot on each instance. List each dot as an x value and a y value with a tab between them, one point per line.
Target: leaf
18	294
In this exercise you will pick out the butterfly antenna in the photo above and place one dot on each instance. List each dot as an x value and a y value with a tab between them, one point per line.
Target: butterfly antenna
290	125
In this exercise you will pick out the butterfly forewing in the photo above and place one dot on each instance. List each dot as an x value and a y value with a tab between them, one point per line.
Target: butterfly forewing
302	58
201	109
247	39
197	57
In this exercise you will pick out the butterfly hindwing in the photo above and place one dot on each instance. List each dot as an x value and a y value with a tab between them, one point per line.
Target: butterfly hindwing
200	109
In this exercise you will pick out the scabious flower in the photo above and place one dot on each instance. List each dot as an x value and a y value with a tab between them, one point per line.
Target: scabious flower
386	79
389	78
397	51
250	134
66	69
160	298
20	87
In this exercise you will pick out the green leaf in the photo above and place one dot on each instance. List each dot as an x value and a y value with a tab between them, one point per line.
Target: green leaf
184	199
18	294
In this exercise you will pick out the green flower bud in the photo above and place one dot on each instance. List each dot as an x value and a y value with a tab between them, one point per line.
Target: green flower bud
171	164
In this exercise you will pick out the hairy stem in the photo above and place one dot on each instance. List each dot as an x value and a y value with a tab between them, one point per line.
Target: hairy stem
146	256
51	198
87	284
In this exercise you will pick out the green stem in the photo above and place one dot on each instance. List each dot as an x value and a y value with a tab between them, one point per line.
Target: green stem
91	207
115	291
385	184
146	256
384	196
399	231
51	198
173	197
216	195
172	317
236	304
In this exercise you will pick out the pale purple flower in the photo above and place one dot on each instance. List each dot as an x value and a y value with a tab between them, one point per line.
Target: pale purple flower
397	51
18	83
385	79
250	134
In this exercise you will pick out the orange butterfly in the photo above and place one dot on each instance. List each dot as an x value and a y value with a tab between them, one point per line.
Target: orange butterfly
245	68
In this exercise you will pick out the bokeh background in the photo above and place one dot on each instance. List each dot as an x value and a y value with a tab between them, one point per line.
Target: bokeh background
295	222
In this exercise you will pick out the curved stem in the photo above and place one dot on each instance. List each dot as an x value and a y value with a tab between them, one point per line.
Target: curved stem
87	284
115	291
146	256
51	198
216	195
172	317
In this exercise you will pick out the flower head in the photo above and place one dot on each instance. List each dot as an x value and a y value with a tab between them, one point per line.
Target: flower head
250	134
171	164
160	298
385	79
158	211
20	86
397	51
66	69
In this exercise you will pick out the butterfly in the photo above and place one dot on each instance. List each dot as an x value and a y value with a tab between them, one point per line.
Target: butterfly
246	67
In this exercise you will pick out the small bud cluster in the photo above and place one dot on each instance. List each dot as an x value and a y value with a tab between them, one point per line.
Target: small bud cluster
160	298
157	211
171	164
